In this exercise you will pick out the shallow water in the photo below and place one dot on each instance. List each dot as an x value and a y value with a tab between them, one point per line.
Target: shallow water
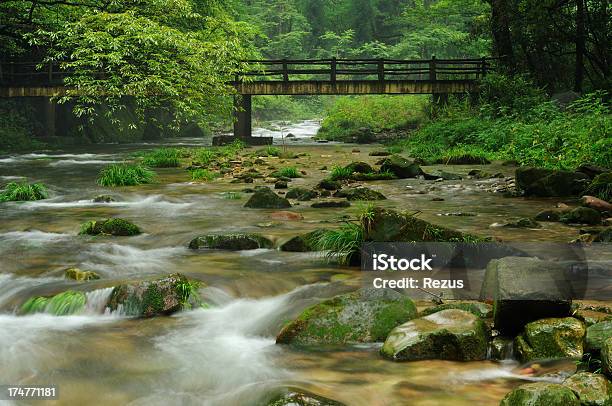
224	355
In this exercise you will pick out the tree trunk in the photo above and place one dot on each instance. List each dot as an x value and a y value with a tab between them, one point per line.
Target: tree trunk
500	28
580	46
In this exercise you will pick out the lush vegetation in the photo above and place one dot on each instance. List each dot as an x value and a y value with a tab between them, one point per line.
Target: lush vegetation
62	304
203	174
21	192
125	175
163	158
288	172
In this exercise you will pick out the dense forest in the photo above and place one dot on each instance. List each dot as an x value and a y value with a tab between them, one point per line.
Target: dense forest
185	51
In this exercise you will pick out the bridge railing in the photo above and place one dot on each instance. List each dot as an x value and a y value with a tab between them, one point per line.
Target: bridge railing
31	73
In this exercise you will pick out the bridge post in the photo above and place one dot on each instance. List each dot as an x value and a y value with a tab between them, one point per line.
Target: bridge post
438	98
242	116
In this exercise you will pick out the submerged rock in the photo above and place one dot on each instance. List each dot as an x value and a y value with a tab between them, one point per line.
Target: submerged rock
591	389
157	297
330	204
234	242
541	394
360	193
549	215
543	182
265	198
286	215
103	199
302	399
401	167
301	194
114	226
523	223
551	338
280	184
582	215
301	243
379	153
79	275
524	290
367	315
450	334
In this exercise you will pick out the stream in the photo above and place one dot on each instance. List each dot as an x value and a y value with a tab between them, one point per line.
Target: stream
224	355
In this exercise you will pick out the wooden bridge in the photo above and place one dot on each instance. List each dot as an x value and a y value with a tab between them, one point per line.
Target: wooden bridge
438	77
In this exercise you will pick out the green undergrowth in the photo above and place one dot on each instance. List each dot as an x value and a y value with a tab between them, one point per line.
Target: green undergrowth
21	192
340	172
288	172
202	174
163	158
125	175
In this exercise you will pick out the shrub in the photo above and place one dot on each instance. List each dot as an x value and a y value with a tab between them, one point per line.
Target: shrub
23	192
163	158
203	174
125	175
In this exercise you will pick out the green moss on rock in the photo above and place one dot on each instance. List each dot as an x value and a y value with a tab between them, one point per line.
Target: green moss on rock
366	315
114	226
541	394
591	389
301	398
234	242
551	338
265	198
479	309
606	357
597	334
79	275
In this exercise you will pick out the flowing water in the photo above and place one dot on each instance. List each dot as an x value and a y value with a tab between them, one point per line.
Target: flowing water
224	355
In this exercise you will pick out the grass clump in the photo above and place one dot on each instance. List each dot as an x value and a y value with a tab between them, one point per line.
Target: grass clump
203	175
288	172
62	304
339	245
232	195
22	192
340	172
385	175
269	151
163	158
125	175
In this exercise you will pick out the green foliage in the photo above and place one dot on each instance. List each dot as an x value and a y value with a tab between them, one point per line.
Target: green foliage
269	151
34	305
113	226
62	304
340	245
378	113
162	158
23	192
125	175
203	174
88	228
17	126
503	95
288	172
188	294
340	172
232	195
385	175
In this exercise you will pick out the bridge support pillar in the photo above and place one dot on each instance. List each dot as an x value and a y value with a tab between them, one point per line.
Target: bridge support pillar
242	125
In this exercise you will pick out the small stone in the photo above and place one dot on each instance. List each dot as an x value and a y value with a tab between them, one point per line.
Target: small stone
280	184
79	275
103	199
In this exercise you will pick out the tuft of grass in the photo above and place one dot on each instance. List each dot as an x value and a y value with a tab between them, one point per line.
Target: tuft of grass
385	175
340	173
34	305
204	156
21	192
288	172
163	158
125	175
232	195
271	151
340	245
62	304
203	174
188	294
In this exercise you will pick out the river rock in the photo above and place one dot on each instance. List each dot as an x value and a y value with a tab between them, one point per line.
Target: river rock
582	215
522	223
549	215
233	242
157	297
103	199
591	170
286	215
301	194
360	193
591	389
300	243
401	167
465	159
541	394
604	235
114	226
551	338
501	348
543	182
606	356
597	334
596	204
524	290
479	309
330	204
328	184
302	399
367	315
79	275
449	334
280	184
389	225
359	167
265	198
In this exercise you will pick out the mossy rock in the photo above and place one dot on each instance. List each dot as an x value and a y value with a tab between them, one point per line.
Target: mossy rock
162	296
359	167
233	242
114	226
265	198
401	167
360	193
591	389
597	334
79	275
465	159
590	317
501	348
551	338
541	394
367	315
62	304
328	184
330	204
301	398
549	215
479	309
103	199
582	215
450	334
606	356
300	243
544	182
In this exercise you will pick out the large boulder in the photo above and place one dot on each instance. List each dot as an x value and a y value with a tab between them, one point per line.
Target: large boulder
301	398
359	193
543	182
114	226
359	167
401	167
234	242
449	334
157	297
541	394
265	198
367	315
595	203
597	334
301	193
591	389
606	356
525	289
551	338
